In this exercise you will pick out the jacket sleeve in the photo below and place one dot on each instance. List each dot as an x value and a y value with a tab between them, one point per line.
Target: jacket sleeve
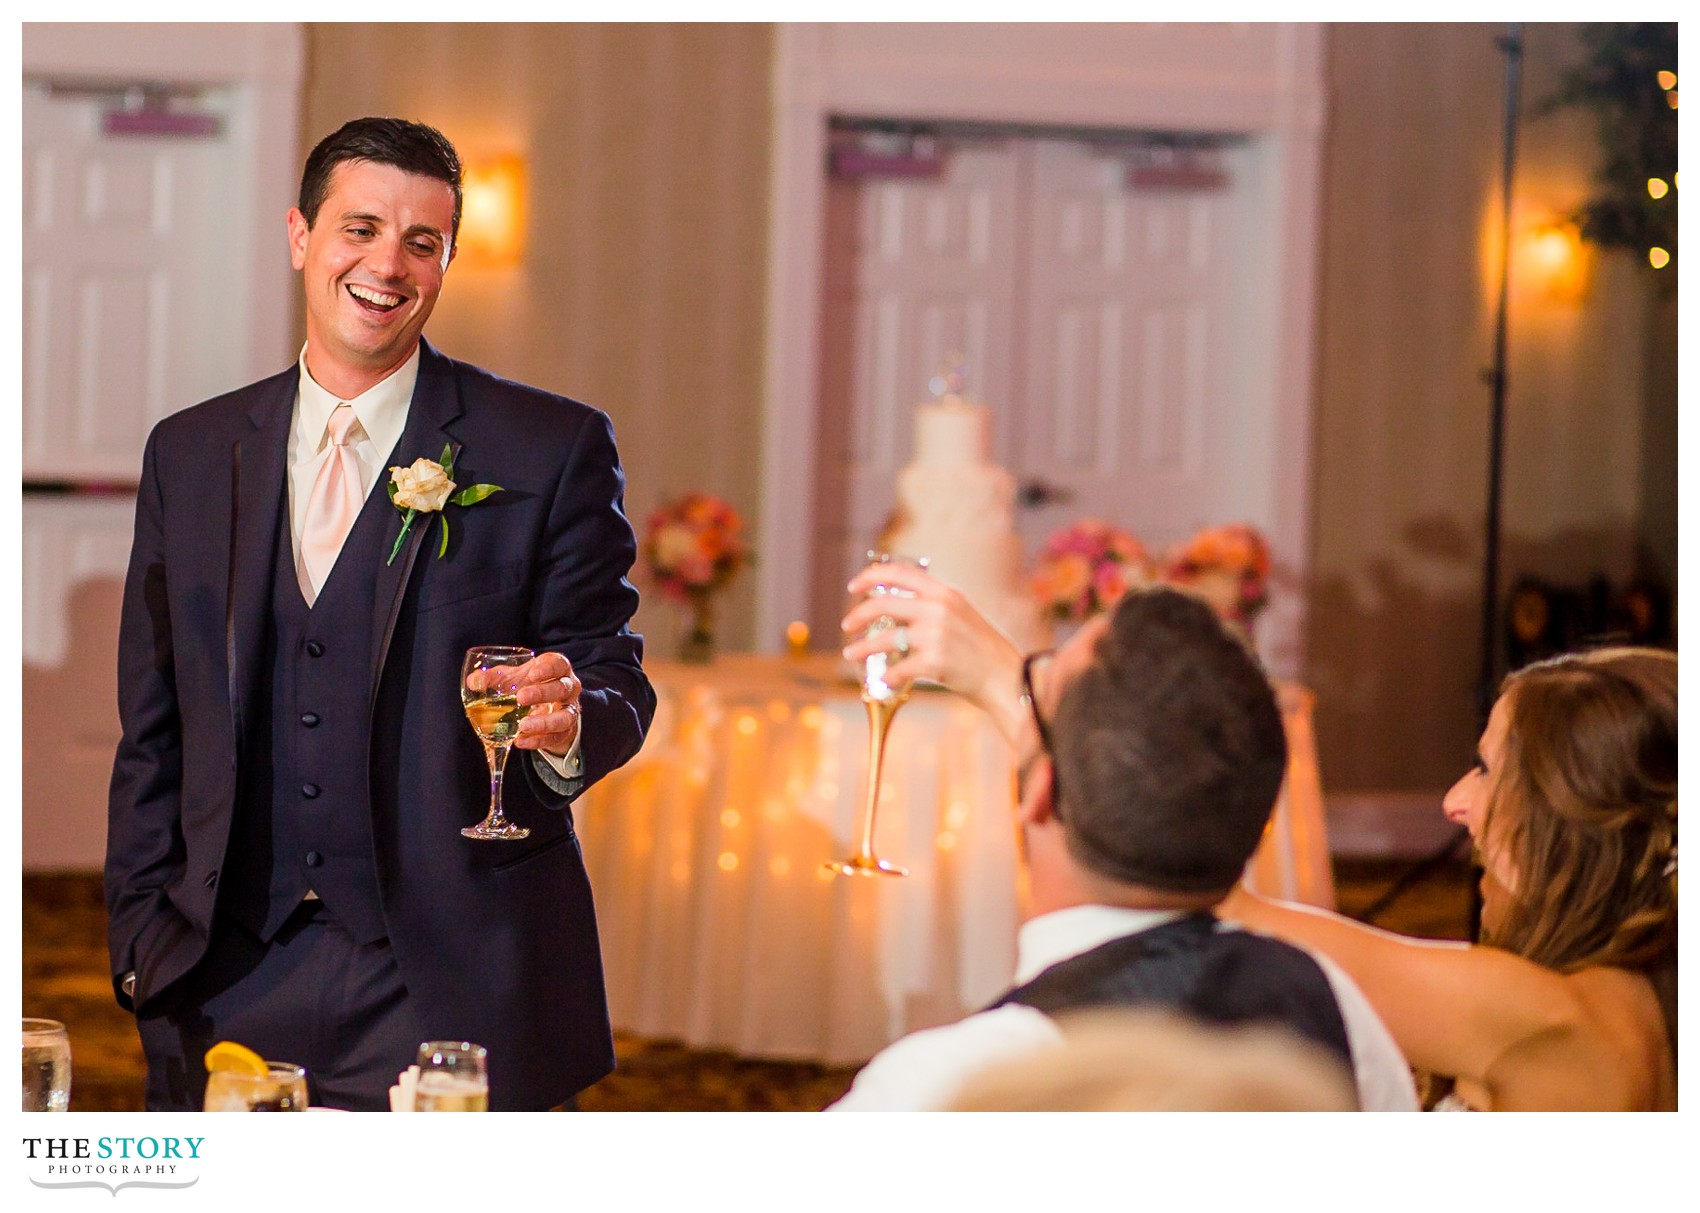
584	609
144	838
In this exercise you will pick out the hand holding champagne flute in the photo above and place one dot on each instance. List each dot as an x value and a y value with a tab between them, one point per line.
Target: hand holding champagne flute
882	695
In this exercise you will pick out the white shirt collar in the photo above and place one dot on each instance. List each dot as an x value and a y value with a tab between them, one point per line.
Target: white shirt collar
381	408
1052	938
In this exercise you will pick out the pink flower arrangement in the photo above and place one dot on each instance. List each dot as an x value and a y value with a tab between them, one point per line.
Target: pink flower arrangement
1228	566
694	545
1086	566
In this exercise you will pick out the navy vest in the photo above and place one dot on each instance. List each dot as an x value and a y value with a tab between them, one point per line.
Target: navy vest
1190	966
304	813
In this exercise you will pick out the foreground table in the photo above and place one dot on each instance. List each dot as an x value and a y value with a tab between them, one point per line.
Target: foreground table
719	927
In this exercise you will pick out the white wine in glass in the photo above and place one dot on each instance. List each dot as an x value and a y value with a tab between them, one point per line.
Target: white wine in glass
489	691
882	696
452	1077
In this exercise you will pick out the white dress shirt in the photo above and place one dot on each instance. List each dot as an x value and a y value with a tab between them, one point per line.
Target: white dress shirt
924	1071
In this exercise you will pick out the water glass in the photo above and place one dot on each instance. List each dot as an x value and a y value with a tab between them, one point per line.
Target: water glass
282	1088
47	1066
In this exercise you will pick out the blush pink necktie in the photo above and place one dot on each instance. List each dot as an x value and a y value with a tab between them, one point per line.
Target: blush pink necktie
334	503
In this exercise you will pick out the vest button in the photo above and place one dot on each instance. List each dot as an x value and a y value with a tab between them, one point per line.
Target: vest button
315	649
310	790
310	719
314	859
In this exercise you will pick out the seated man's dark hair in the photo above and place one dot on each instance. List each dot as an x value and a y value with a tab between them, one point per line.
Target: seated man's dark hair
410	146
1169	749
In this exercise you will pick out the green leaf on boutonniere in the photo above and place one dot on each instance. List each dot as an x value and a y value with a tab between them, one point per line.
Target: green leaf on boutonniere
443	547
474	494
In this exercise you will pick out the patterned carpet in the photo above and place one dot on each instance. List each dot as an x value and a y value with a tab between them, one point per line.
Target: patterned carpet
65	978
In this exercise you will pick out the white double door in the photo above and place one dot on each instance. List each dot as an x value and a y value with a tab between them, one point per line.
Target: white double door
1097	322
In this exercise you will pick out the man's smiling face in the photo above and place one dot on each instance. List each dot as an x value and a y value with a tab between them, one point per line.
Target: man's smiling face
372	266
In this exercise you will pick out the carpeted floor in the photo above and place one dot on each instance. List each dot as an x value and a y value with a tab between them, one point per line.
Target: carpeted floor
65	978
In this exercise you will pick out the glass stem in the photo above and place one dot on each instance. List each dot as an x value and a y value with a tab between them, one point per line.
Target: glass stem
498	758
879	724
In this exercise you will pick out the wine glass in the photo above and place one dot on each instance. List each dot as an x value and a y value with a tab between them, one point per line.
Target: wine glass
47	1066
882	697
489	691
282	1088
452	1077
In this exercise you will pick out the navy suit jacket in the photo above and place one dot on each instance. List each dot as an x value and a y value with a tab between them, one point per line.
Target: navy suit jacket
496	941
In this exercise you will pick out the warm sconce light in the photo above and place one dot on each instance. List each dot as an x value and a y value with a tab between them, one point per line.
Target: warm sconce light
1667	80
1554	261
492	221
1656	187
1658	258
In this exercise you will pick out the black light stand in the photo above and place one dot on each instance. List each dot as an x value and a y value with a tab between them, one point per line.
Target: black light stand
1487	682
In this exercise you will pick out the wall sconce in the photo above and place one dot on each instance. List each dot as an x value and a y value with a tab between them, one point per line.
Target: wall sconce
1553	261
492	220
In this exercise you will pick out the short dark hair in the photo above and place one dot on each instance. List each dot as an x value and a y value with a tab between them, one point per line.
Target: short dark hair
412	147
1169	747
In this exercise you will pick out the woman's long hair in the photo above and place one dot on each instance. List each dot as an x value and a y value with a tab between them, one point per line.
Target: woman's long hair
1585	805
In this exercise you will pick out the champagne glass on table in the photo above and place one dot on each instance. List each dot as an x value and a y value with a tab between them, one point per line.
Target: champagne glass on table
882	696
47	1066
489	691
452	1077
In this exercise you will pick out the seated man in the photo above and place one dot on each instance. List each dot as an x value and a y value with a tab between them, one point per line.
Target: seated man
1158	755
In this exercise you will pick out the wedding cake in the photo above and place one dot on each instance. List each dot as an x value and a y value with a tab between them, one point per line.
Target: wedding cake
957	508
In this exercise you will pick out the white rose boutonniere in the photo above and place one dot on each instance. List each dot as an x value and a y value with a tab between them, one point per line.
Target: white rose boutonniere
425	488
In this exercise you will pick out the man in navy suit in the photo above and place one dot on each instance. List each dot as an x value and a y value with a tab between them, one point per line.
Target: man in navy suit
285	866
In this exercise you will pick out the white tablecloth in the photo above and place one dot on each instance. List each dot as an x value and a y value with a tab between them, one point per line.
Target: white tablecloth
719	927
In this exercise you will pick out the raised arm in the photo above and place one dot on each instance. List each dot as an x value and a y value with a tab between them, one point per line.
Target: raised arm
1522	1032
949	642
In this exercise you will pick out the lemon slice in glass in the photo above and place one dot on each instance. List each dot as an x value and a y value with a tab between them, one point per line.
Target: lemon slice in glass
228	1055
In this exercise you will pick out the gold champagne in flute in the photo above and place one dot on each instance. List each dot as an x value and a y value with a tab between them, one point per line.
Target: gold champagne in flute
489	692
453	1077
882	697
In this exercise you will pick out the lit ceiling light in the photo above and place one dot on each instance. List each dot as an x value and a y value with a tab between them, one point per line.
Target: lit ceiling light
1656	187
1667	80
1658	258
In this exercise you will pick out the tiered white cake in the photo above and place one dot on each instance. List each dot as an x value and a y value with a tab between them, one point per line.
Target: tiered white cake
957	508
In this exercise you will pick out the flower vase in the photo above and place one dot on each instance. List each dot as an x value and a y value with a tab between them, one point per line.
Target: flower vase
697	645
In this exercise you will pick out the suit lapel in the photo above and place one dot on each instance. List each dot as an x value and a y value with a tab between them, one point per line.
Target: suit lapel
436	403
256	507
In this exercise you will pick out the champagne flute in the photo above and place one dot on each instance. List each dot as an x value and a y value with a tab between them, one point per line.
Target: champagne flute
47	1066
452	1077
489	691
282	1088
882	697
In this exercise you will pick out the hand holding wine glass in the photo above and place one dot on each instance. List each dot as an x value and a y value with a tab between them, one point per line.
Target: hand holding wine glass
490	680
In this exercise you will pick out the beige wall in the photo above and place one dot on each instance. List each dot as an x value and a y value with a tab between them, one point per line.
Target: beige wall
1412	171
642	288
642	293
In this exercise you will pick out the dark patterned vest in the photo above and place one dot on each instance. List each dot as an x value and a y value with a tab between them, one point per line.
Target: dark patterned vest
304	810
1196	968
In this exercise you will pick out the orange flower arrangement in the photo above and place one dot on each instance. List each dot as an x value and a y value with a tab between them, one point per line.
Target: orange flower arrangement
694	545
1228	566
1086	566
